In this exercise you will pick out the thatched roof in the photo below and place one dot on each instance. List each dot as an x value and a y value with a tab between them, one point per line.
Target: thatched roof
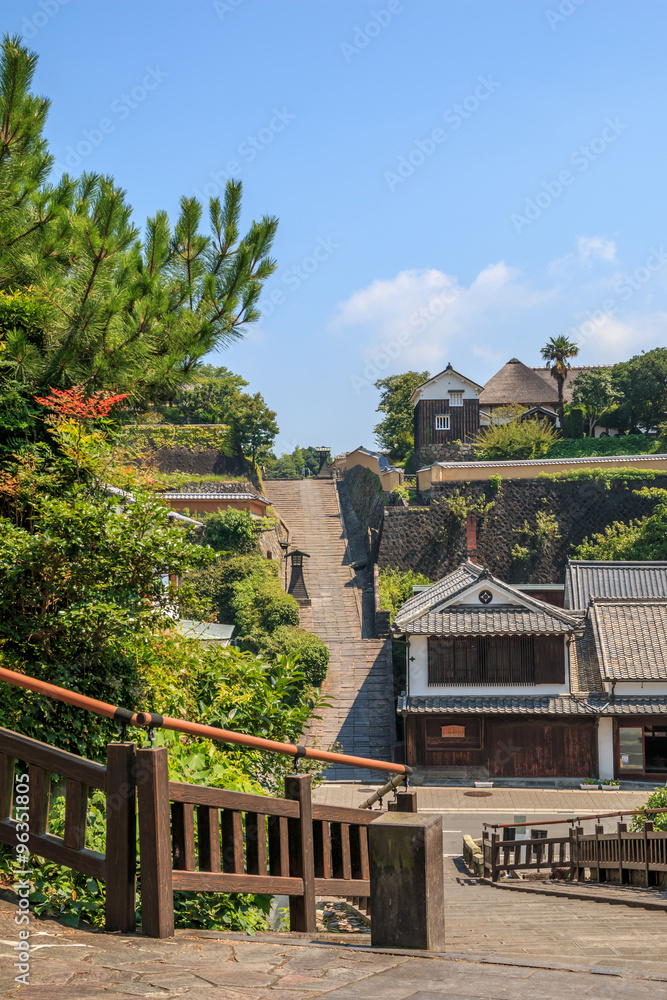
517	383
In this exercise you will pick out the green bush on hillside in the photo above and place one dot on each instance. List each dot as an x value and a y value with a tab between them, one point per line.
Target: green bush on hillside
623	444
396	588
312	653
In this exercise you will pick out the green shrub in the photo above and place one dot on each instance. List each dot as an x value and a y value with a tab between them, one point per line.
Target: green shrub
574	422
495	481
396	588
232	531
656	800
625	444
511	438
607	476
312	653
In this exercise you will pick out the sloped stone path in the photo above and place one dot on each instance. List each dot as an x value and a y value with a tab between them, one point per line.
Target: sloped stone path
359	719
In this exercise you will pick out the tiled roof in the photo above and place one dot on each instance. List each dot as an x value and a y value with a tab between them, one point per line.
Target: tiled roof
569	378
422	614
598	704
592	461
497	619
584	667
588	578
631	639
201	495
116	491
451	584
495	705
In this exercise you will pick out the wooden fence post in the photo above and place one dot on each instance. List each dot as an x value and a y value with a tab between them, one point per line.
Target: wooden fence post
121	851
406	802
621	828
157	894
407	882
573	853
648	828
301	855
495	840
578	833
599	829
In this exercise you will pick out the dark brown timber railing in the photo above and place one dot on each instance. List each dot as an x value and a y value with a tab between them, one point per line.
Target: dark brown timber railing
117	867
606	856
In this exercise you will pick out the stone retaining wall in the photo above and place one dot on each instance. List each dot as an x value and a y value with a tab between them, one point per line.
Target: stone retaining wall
430	540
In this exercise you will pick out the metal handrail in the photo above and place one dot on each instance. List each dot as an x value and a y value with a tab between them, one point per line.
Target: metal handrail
127	717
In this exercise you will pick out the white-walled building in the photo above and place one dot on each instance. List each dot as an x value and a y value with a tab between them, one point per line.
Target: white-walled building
503	684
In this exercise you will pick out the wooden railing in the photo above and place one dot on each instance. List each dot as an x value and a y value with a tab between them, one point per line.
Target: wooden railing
40	761
194	838
607	856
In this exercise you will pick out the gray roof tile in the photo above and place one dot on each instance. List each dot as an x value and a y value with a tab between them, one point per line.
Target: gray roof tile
598	704
631	639
499	619
591	578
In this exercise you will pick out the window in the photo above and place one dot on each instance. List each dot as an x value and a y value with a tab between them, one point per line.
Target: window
456	399
506	660
442	422
631	748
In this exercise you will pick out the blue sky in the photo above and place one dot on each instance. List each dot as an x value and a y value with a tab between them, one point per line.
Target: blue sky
456	180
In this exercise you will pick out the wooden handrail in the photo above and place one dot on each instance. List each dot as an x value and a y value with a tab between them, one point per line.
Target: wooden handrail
575	819
150	719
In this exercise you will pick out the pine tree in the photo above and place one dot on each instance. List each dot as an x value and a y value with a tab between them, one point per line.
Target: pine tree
119	309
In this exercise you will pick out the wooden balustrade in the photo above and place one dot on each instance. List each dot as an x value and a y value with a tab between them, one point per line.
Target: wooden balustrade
607	856
194	838
191	838
40	762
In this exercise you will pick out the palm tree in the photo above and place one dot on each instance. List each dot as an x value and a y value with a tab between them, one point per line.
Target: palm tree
557	352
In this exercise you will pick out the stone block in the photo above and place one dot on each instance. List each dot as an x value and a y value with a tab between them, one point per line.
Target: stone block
407	881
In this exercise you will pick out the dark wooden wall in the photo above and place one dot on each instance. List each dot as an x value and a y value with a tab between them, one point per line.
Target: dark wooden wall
512	746
463	421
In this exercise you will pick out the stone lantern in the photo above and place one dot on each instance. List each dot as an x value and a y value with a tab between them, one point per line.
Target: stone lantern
297	584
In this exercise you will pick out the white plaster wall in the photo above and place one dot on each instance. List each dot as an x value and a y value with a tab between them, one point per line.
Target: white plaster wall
418	673
606	747
440	388
643	688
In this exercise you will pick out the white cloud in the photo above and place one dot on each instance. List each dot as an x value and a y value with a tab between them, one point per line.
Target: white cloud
596	247
422	316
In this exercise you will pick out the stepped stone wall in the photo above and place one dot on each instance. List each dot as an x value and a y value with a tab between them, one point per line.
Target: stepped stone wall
430	540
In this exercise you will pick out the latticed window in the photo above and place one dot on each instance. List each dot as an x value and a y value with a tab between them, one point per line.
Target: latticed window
442	422
506	660
456	399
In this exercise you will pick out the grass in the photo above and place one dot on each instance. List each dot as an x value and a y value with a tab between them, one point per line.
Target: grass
627	444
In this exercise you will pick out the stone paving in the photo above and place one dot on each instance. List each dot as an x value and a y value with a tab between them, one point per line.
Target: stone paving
505	955
359	718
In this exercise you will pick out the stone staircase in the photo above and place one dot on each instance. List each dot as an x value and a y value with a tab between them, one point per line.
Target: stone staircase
360	717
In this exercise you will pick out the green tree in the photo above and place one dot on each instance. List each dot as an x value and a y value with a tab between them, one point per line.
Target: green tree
121	309
642	538
595	392
396	431
253	427
210	398
642	384
557	353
